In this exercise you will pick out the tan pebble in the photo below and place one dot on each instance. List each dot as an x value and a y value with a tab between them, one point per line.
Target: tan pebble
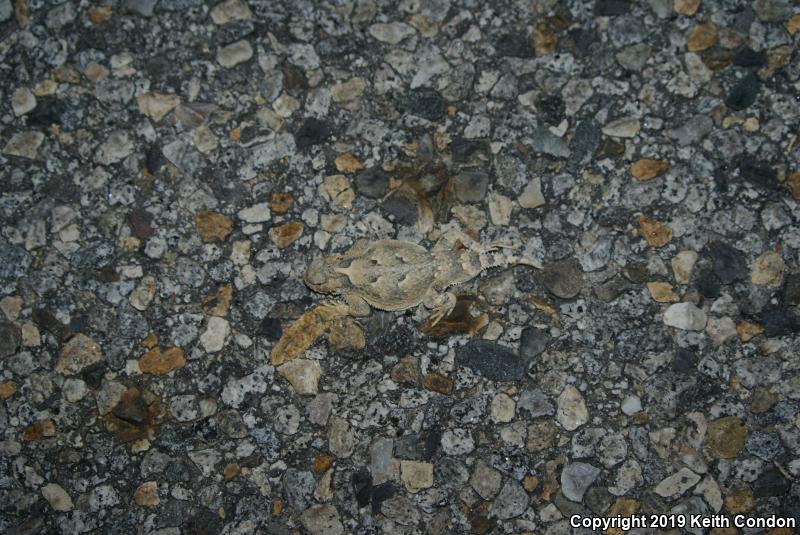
656	233
230	471
338	189
66	74
416	475
438	383
662	292
624	507
347	91
747	330
751	124
347	163
147	495
280	202
702	37
7	389
11	306
98	15
793	25
646	169
40	429
683	265
285	235
544	40
78	353
157	362
218	302
740	500
768	270
725	437
151	341
323	462
212	226
687	7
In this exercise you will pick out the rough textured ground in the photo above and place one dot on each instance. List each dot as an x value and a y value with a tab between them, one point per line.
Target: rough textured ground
170	167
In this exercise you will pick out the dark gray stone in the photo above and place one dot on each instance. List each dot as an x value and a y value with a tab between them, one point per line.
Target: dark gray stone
372	183
470	186
744	93
423	102
533	342
491	360
563	278
729	263
10	339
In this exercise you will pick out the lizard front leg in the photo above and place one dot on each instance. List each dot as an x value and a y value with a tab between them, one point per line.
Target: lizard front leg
440	304
356	304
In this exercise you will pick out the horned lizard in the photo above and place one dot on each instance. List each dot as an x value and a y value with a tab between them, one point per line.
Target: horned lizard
398	275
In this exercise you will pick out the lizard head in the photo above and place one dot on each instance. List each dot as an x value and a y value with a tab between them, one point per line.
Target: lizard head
321	275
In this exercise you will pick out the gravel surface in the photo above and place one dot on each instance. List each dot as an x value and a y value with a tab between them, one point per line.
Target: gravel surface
170	167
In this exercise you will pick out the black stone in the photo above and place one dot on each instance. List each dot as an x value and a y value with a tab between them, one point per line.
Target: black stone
533	342
729	263
382	492
517	45
791	292
585	141
684	361
417	446
747	57
270	328
47	320
759	174
372	183
551	109
585	39
491	360
707	283
10	339
423	102
153	159
611	8
312	132
93	375
403	210
362	487
778	320
204	522
743	19
771	483
48	112
744	93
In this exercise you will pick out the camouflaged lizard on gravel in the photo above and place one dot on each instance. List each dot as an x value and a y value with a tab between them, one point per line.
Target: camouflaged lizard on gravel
398	275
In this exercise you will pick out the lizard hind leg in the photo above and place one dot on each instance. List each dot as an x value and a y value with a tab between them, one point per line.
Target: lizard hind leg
440	304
